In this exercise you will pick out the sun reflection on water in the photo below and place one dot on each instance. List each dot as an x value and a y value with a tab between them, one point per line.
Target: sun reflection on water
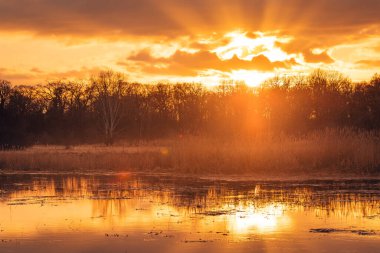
63	204
259	219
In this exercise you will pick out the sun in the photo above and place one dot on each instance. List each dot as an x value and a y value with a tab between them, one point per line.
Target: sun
251	78
246	46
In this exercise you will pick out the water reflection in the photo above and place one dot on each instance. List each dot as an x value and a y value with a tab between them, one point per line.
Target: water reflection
186	210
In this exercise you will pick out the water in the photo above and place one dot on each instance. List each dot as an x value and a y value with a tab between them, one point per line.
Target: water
157	213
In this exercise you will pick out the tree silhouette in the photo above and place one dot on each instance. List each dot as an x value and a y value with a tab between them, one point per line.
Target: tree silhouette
87	112
109	87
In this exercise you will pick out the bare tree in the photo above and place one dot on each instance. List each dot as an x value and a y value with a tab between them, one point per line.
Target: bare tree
109	87
5	91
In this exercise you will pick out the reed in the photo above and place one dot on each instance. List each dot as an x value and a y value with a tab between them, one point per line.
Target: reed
341	152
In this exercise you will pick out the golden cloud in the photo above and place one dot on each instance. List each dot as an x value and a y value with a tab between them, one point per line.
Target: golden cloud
179	17
186	38
369	63
190	64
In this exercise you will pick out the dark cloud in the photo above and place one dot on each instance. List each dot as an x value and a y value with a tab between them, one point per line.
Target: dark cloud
178	17
305	46
317	58
190	64
142	56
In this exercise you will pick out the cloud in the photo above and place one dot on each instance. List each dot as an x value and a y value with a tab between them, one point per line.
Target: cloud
36	70
178	17
37	76
190	64
323	57
14	77
182	35
369	63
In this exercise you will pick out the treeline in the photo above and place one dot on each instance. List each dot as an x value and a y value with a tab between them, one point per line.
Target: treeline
107	107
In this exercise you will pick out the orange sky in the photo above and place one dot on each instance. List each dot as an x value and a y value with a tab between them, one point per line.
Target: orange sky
182	40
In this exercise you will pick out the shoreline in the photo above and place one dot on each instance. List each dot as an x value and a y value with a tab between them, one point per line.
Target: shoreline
209	177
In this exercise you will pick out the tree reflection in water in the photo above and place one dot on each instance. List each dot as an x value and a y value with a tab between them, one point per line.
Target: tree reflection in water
181	207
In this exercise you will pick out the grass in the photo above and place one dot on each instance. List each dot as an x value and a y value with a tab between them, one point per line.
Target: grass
340	152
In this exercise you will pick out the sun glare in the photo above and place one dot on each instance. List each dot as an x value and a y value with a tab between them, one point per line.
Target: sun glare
251	77
246	47
260	219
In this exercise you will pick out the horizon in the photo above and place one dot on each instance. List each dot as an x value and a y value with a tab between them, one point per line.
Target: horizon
220	82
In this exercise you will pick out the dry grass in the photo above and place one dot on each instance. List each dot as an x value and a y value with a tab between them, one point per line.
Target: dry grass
343	152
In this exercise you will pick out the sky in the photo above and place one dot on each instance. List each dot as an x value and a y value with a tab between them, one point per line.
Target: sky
206	41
